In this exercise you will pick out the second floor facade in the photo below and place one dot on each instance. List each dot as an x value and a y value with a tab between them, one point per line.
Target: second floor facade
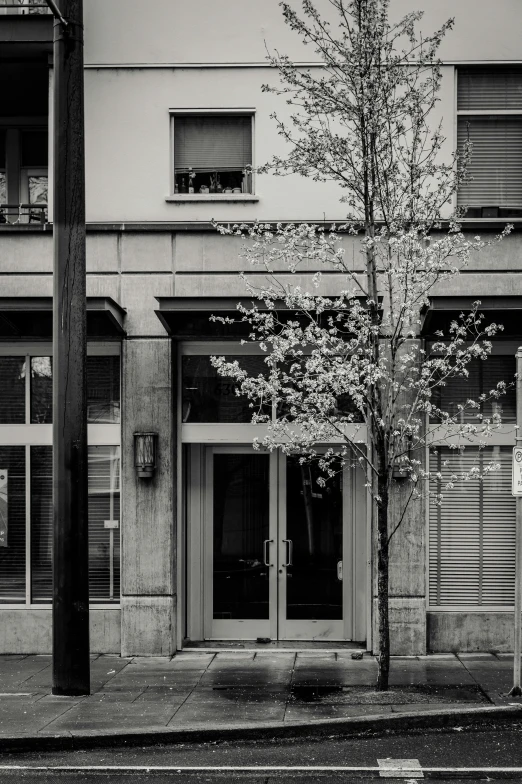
176	116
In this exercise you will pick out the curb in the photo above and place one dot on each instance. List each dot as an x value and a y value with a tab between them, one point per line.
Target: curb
151	736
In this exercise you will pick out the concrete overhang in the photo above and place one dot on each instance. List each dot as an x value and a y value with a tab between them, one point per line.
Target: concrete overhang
188	318
26	36
505	310
32	317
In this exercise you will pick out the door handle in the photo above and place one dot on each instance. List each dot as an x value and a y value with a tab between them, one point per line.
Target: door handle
289	552
266	544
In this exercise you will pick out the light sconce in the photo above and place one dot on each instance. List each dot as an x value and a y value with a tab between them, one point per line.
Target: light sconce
145	454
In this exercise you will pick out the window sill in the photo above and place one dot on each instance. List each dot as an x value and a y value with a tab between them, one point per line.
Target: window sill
203	197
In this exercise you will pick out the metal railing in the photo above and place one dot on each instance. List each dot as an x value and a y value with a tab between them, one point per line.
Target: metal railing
22	214
23	7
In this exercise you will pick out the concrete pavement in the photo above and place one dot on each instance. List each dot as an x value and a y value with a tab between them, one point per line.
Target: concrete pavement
246	691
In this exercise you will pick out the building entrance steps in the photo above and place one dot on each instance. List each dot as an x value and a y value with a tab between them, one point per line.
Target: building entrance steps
217	692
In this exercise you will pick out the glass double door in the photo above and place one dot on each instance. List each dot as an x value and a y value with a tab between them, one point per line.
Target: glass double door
277	548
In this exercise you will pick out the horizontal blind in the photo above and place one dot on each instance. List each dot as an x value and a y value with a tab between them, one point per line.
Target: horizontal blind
483	377
496	160
489	90
41	523
104	505
12	555
218	143
472	534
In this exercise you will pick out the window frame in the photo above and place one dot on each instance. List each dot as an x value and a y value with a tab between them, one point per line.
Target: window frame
202	197
480	113
504	436
28	435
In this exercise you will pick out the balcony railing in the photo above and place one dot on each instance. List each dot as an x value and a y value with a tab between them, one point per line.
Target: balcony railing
23	7
22	214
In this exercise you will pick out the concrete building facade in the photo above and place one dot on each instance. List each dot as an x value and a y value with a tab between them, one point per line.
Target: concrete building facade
209	547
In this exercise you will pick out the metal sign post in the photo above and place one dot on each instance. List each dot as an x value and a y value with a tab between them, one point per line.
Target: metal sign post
516	490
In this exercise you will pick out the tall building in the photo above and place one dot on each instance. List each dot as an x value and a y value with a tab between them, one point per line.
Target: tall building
221	542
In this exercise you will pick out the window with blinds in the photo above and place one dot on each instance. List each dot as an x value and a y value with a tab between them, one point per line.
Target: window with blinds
483	377
489	109
26	537
103	516
472	534
212	153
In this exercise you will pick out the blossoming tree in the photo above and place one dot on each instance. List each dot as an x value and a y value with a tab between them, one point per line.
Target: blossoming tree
347	373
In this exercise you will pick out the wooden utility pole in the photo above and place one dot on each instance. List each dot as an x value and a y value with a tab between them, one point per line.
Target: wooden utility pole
70	555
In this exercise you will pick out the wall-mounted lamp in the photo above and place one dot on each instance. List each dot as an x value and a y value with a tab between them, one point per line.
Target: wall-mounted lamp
145	453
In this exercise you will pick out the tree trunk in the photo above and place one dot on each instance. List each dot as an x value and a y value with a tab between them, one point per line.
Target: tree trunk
382	578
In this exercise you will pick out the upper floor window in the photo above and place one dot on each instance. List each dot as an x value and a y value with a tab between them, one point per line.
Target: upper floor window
24	7
23	175
212	153
489	114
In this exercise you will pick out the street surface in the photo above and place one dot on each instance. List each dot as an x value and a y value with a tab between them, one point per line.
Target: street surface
460	754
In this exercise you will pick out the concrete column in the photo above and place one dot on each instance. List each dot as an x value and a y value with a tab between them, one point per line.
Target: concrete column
407	586
148	505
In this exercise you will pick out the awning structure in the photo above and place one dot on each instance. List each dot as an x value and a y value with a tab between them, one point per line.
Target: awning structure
32	317
188	318
505	310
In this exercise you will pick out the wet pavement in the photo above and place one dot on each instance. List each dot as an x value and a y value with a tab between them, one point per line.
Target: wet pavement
202	689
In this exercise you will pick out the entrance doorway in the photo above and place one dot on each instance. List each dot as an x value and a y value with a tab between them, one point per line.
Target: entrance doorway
271	554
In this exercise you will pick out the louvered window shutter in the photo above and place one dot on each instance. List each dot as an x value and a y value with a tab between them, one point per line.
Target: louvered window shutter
496	163
472	534
216	143
483	377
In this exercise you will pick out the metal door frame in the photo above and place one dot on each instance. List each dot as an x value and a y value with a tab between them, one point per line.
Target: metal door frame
199	548
339	630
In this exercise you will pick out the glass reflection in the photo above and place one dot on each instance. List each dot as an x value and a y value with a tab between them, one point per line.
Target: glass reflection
240	526
314	528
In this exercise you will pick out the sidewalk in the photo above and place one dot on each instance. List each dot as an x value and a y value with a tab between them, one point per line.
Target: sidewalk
197	691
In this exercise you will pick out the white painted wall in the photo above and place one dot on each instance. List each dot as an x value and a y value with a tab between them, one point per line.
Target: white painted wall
128	147
129	155
199	31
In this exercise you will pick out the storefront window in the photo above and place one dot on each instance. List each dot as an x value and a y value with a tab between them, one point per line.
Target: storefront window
103	389
472	534
12	390
12	524
104	516
26	511
483	376
209	397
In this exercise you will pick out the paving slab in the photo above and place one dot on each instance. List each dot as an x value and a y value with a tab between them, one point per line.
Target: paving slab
239	695
31	717
317	712
210	713
109	716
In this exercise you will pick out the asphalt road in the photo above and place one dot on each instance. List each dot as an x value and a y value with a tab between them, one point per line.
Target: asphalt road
494	753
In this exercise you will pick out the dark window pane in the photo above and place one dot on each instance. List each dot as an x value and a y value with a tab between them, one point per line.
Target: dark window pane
209	397
12	523
41	524
241	524
41	390
103	389
12	390
314	525
104	523
484	375
34	149
104	506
